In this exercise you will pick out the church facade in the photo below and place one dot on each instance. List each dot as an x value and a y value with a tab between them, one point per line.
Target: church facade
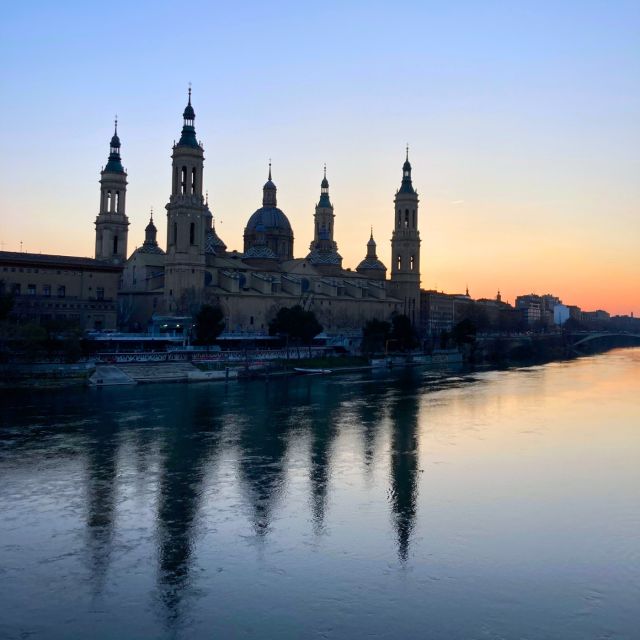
250	286
123	291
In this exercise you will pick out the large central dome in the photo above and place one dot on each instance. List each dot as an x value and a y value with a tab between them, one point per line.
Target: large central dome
271	218
269	226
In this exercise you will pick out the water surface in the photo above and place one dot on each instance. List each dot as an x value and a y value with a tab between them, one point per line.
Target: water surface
503	504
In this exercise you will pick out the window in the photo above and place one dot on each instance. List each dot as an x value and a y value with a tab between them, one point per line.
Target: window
412	264
117	204
46	290
62	291
192	233
175	233
100	293
108	200
115	244
183	181
15	289
414	219
406	219
399	263
31	289
193	181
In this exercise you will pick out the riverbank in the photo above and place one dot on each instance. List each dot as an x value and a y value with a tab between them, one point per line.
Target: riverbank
486	353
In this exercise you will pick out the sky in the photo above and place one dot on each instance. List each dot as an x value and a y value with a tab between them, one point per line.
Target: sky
523	120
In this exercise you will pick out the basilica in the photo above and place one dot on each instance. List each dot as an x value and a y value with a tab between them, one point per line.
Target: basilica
250	286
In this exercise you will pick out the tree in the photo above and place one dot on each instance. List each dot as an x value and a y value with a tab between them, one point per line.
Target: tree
300	325
403	333
375	334
464	332
209	324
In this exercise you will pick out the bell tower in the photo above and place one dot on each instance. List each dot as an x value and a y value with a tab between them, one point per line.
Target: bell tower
323	250
405	246
112	223
186	218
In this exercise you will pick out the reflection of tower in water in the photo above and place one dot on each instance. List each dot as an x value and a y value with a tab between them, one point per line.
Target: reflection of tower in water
324	402
263	448
370	414
190	433
101	473
404	460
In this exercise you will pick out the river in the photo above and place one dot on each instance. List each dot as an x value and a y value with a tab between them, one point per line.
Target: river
490	505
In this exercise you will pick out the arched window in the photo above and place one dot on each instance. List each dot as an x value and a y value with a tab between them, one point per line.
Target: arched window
193	181
192	233
399	263
414	218
108	200
175	180
399	217
115	244
406	218
412	263
183	181
116	207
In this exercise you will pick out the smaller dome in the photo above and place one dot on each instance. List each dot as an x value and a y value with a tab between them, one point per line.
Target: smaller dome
115	141
213	244
325	183
406	166
319	257
371	264
189	113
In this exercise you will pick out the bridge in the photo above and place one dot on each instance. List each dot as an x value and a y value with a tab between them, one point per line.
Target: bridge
604	335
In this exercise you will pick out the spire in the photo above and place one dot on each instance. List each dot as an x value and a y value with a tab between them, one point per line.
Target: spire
406	186
324	201
188	137
269	198
371	246
114	164
371	265
150	233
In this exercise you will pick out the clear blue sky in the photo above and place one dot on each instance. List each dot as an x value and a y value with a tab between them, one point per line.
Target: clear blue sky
523	120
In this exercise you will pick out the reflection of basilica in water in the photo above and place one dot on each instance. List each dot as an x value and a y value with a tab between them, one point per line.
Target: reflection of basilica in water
167	453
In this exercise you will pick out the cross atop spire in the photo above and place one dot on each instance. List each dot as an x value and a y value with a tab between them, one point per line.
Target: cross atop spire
407	152
269	169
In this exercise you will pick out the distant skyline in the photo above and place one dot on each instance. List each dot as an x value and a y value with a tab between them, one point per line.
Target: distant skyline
522	120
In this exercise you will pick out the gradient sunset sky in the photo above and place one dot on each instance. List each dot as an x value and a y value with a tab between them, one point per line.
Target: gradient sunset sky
522	119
